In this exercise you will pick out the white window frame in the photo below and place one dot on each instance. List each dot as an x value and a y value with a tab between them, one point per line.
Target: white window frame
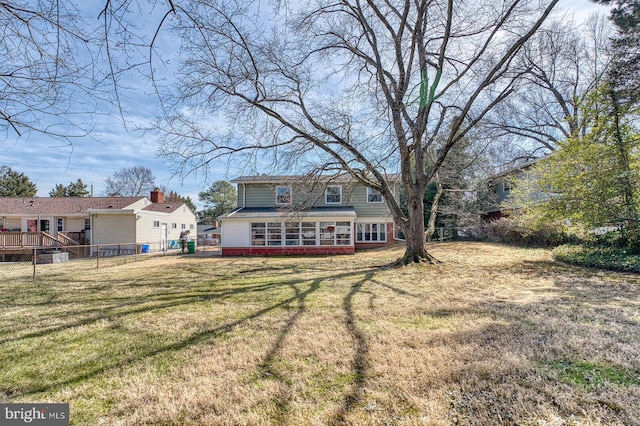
278	195
326	194
360	236
156	224
340	234
372	192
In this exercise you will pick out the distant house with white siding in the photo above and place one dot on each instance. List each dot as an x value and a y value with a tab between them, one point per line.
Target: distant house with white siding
281	215
95	220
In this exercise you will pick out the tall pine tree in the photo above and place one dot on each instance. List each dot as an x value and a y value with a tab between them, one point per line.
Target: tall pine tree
14	184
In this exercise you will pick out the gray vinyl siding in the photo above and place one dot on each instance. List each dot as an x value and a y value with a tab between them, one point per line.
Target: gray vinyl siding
114	228
260	195
353	195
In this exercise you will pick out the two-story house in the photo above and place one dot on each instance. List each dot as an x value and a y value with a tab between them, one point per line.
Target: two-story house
500	189
279	215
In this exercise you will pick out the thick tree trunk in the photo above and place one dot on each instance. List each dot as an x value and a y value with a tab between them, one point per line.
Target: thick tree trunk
416	250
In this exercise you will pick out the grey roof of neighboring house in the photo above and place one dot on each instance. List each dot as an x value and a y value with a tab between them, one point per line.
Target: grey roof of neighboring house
269	212
163	207
61	205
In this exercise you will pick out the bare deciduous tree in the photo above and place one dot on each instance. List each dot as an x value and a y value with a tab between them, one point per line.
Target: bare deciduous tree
130	182
46	69
359	86
564	62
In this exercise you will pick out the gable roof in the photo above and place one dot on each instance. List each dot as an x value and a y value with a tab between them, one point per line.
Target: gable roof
163	207
62	205
288	179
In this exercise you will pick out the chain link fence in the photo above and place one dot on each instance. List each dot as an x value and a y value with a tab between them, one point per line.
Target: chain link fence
29	263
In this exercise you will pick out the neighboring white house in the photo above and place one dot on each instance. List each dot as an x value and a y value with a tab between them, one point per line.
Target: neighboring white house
98	220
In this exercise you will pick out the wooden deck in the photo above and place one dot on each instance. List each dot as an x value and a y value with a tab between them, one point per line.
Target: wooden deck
24	242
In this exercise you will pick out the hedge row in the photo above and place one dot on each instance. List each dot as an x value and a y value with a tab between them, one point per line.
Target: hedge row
616	259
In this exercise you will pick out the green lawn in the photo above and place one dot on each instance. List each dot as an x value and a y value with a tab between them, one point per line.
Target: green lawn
493	335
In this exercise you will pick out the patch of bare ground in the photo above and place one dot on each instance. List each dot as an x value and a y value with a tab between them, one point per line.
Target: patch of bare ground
492	335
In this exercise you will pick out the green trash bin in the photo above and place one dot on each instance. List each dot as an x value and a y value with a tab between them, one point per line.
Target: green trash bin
191	247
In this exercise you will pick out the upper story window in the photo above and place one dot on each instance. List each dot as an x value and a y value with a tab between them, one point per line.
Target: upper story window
373	196
506	185
283	195
333	194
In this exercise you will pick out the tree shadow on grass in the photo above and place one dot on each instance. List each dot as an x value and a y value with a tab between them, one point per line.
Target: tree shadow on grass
360	362
509	343
267	368
128	307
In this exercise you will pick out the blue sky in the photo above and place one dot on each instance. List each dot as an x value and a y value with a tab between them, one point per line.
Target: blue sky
112	145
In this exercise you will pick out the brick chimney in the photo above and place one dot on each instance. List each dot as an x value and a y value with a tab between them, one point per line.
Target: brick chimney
157	196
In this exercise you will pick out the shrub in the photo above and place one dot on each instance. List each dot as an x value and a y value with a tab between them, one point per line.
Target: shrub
613	258
517	231
622	237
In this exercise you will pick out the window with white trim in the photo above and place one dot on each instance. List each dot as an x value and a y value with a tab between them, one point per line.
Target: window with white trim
371	232
333	194
373	196
343	233
308	233
327	233
283	195
258	234
156	224
174	226
274	234
300	233
87	224
292	234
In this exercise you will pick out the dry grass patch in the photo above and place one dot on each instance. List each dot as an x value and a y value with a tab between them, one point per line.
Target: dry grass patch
493	335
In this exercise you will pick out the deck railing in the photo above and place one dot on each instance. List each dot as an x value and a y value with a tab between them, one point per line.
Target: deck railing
27	239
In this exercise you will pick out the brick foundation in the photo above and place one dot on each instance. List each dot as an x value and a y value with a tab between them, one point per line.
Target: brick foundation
287	251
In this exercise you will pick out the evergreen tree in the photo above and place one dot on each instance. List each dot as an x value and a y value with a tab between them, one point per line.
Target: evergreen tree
74	189
14	184
625	69
58	191
174	197
219	199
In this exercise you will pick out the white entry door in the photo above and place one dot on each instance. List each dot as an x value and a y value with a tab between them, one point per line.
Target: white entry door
164	237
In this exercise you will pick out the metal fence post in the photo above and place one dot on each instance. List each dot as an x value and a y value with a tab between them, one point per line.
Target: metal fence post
97	257
35	261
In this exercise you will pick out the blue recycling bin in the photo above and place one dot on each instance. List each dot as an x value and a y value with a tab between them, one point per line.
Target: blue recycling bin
144	248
